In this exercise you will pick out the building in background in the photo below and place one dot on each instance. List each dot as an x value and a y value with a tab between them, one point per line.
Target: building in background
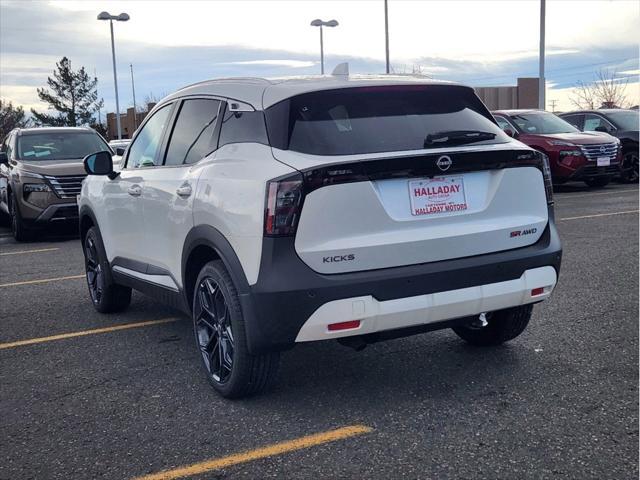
523	95
129	122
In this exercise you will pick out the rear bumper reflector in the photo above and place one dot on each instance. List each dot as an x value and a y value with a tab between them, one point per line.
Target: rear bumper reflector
332	327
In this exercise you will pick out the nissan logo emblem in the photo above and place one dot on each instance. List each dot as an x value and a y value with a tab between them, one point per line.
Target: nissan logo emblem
603	149
444	162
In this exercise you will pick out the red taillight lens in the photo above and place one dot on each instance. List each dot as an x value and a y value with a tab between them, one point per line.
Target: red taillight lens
548	181
283	206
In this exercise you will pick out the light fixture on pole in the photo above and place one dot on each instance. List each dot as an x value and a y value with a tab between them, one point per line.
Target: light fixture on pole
123	17
319	23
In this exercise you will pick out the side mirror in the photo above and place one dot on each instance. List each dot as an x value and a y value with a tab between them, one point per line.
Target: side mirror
3	158
99	163
510	132
601	129
120	151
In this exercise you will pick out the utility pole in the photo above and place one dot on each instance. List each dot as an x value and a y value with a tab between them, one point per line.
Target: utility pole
386	33
541	88
553	105
133	87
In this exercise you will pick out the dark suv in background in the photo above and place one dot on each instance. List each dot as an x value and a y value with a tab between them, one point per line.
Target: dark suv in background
573	155
620	123
41	172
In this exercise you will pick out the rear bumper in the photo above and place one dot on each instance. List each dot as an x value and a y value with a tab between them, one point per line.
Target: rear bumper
288	293
371	315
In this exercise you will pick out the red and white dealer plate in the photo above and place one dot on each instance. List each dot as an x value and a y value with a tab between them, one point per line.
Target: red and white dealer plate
434	196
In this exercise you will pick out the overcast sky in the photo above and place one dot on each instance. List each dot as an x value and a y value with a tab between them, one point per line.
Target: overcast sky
171	44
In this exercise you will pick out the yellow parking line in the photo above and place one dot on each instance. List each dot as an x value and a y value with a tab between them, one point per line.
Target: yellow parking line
20	252
43	280
596	215
268	451
82	333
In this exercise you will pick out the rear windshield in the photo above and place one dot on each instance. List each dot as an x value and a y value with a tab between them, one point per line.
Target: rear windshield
376	119
59	145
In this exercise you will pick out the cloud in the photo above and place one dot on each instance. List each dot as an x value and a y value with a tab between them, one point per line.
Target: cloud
276	63
174	44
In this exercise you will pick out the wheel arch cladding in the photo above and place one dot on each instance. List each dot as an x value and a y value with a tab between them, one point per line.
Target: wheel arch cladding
203	244
87	220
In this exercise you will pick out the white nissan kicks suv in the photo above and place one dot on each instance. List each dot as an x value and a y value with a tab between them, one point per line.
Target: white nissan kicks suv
338	207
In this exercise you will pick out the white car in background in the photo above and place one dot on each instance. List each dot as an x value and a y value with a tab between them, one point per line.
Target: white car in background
275	212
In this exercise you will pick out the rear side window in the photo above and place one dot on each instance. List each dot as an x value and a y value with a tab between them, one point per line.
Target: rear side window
243	127
193	134
376	119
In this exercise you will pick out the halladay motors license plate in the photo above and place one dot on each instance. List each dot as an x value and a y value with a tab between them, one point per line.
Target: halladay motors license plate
433	196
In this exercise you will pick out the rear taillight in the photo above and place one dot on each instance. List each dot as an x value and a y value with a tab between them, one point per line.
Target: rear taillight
283	206
546	174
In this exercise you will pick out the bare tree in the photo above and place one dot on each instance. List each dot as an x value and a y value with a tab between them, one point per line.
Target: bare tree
607	91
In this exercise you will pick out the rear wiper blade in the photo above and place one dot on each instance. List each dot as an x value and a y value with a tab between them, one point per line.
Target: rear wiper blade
457	137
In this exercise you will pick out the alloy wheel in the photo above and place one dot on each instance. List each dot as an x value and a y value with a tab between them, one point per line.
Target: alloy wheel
95	274
213	330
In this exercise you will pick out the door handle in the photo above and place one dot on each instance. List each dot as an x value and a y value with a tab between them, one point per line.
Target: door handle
184	191
135	190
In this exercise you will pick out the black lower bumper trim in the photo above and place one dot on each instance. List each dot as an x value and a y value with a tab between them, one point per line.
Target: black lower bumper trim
288	291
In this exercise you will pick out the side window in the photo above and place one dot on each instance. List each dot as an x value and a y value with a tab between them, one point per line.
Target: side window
193	134
143	151
243	127
503	124
575	120
591	122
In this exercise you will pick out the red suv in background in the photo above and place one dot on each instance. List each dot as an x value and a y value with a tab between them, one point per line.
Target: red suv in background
594	158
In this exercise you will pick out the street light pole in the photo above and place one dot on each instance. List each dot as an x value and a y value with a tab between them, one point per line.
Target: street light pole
115	81
133	87
386	33
123	17
321	52
541	86
319	23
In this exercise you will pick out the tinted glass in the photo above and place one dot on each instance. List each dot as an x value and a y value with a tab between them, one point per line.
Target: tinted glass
542	123
192	136
143	151
575	120
375	119
625	119
591	122
503	124
243	127
59	145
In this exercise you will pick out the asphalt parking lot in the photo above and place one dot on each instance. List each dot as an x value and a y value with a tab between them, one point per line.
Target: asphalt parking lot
561	401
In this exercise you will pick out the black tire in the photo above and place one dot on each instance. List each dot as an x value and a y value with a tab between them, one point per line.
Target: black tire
20	232
629	173
106	296
502	326
218	327
598	182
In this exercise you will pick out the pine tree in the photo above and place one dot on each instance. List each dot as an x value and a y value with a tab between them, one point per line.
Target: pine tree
11	117
73	95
